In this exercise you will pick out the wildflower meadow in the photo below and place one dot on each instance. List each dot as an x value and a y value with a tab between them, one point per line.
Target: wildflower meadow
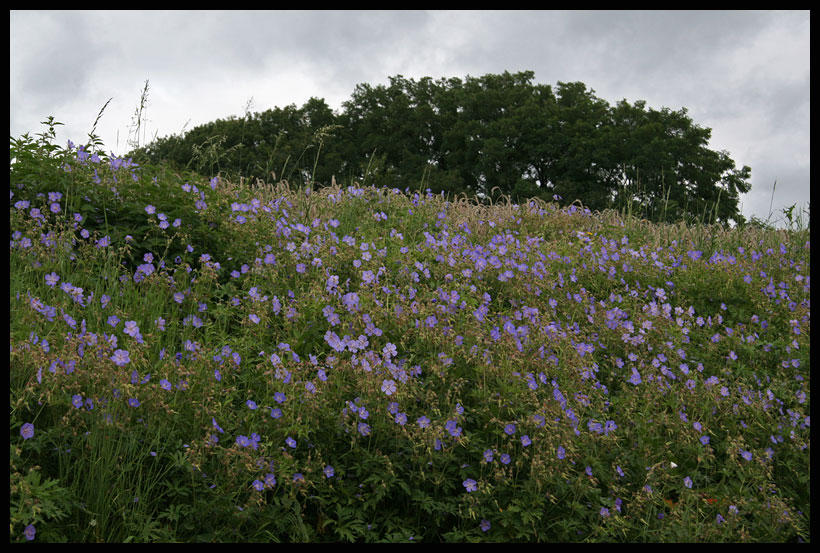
198	360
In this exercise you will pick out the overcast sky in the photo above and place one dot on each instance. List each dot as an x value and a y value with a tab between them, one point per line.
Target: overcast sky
744	74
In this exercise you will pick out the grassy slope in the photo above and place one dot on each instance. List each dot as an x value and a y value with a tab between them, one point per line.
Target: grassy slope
526	315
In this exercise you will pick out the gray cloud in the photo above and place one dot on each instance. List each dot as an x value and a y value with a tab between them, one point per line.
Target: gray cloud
745	74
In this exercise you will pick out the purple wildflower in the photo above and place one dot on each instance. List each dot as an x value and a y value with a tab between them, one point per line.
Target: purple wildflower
27	431
120	357
388	387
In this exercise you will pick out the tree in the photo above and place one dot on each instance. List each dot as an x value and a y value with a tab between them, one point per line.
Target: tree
493	134
664	170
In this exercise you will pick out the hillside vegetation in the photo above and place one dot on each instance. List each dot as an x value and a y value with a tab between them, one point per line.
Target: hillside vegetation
206	359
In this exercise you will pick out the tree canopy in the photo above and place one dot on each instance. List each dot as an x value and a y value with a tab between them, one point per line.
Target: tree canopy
488	135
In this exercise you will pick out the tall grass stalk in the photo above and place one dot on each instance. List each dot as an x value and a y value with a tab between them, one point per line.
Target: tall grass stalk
138	119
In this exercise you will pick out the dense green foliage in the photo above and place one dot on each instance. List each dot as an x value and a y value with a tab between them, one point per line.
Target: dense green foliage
493	135
197	360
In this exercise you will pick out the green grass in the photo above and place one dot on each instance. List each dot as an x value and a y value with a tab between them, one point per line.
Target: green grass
480	317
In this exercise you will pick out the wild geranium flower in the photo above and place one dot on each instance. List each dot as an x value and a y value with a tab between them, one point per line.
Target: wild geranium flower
509	429
488	455
27	431
452	427
51	279
334	341
687	482
351	301
583	349
131	328
388	387
746	455
329	471
364	429
120	357
561	452
470	485
389	350
485	525
291	442
423	422
29	532
505	458
133	402
251	404
525	440
213	421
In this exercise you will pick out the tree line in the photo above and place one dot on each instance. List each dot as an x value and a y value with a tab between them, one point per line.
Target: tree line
488	136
